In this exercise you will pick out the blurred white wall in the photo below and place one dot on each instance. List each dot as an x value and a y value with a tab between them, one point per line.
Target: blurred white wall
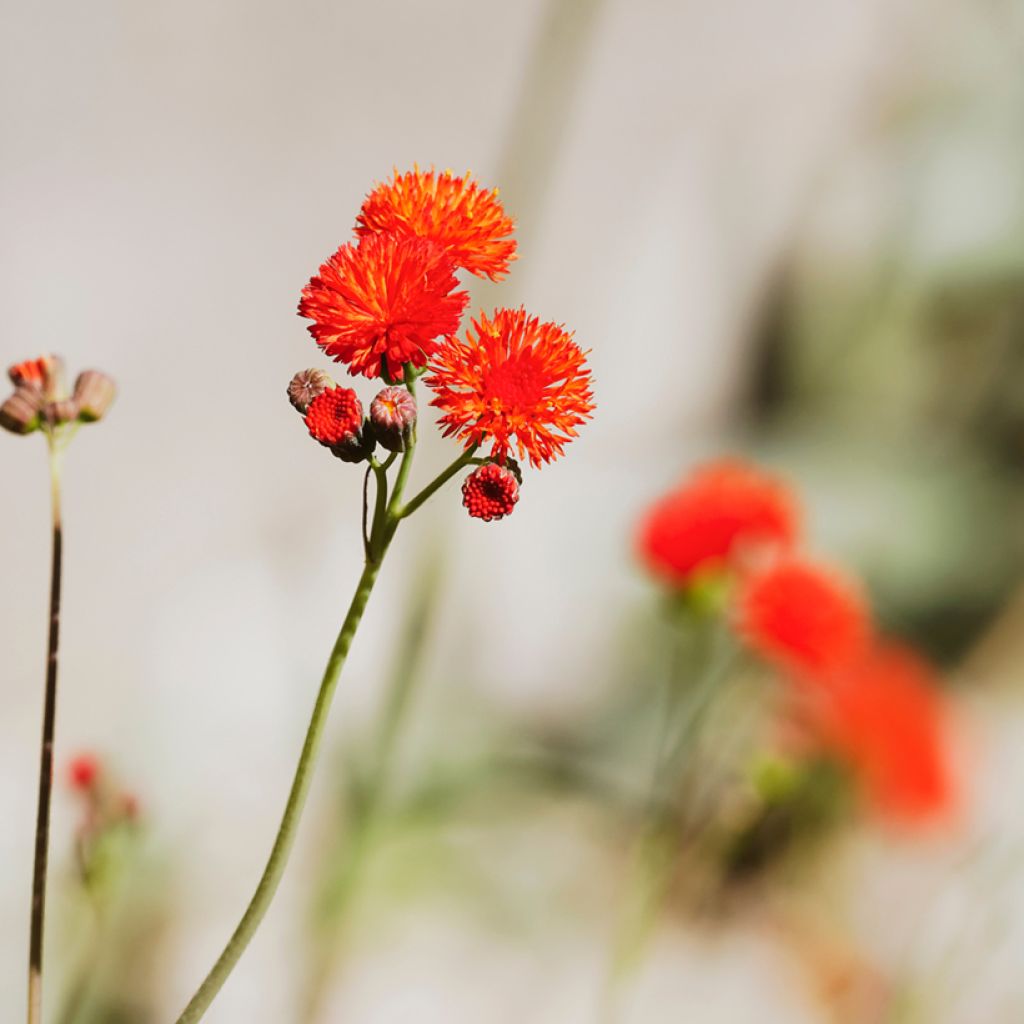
171	176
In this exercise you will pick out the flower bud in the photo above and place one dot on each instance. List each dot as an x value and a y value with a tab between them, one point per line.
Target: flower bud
94	393
393	416
305	386
335	419
64	411
490	492
42	374
20	414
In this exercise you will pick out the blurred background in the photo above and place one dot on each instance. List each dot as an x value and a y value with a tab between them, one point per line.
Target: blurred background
793	230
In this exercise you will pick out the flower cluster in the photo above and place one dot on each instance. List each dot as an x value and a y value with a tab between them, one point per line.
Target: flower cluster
388	305
40	402
868	703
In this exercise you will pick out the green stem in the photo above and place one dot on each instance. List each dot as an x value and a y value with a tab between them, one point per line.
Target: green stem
465	459
285	838
42	841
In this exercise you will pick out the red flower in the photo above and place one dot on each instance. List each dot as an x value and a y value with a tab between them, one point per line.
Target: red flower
490	492
721	511
467	221
888	720
805	617
517	378
83	771
390	297
335	416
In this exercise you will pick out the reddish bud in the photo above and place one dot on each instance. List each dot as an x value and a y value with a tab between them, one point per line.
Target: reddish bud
335	419
307	385
393	415
94	394
20	414
42	374
490	492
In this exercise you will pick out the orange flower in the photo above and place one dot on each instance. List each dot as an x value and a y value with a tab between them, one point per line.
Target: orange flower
517	378
390	297
720	512
467	221
803	616
887	719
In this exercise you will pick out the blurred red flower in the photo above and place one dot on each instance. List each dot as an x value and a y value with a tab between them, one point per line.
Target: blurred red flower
517	382
467	221
717	513
887	718
83	771
389	297
805	617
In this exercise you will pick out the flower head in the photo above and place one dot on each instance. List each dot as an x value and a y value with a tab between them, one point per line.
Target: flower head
804	617
389	298
516	382
720	512
93	395
887	719
467	221
490	492
335	416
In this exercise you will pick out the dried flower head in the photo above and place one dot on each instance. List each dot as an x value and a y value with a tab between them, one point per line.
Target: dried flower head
721	512
887	718
490	492
305	386
393	415
389	298
517	382
805	617
468	222
94	394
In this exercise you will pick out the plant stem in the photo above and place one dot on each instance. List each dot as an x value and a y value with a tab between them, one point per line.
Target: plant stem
35	955
438	482
285	838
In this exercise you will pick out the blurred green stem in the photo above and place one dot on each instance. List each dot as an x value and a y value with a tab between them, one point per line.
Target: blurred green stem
658	845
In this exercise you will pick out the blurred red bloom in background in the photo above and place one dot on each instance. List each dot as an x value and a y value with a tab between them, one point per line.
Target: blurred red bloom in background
83	771
718	513
466	220
805	617
517	382
886	717
389	297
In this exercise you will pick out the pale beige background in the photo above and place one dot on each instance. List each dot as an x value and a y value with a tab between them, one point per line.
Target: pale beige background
171	175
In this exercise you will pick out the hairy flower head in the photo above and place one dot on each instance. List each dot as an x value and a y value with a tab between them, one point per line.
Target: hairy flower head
517	383
805	617
887	718
391	297
466	220
719	513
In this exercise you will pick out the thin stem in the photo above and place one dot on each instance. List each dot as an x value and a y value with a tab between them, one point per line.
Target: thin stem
285	838
465	459
42	843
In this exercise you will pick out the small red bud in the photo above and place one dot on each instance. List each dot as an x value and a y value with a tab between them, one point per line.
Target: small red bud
490	492
393	415
20	414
